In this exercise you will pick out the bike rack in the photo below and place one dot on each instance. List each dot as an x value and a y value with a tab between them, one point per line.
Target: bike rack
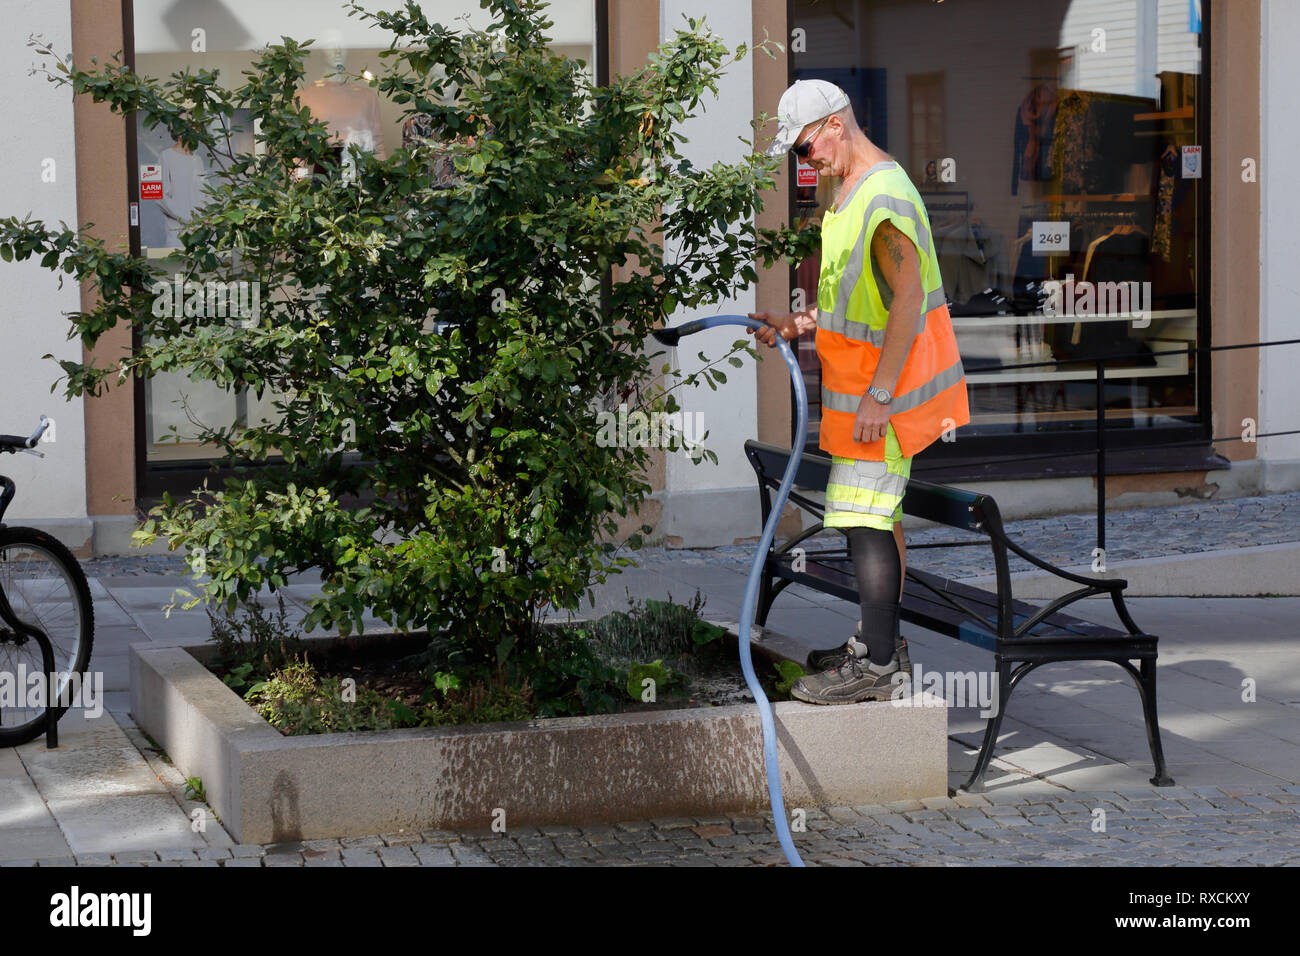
47	660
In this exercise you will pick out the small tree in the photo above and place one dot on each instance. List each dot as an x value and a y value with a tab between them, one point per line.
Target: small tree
455	336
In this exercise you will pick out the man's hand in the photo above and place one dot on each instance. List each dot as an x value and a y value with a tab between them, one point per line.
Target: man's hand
872	420
790	325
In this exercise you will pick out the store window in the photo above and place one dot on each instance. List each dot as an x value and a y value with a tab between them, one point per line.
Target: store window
226	35
1058	145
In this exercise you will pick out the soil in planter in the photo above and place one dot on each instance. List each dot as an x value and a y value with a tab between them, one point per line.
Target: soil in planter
691	663
383	664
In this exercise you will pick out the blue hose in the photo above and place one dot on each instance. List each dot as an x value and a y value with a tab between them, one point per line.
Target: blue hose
670	337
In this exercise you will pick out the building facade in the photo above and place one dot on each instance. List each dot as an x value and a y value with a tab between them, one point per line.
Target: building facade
1105	179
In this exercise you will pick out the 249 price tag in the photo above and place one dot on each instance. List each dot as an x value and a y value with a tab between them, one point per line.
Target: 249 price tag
1050	238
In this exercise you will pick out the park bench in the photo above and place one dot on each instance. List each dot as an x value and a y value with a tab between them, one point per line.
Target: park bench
1021	636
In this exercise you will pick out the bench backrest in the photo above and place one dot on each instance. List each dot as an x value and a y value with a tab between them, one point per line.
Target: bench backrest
942	504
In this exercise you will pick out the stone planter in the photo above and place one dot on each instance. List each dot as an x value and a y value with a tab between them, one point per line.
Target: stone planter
269	788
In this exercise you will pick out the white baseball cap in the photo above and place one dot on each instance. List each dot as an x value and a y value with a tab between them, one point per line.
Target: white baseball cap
805	102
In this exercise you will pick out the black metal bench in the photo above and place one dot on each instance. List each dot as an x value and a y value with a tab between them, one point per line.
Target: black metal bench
1020	635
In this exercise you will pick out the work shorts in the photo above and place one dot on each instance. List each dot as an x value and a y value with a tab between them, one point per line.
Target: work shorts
868	494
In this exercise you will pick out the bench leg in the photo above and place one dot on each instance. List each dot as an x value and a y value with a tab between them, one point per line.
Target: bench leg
765	598
1147	689
1006	684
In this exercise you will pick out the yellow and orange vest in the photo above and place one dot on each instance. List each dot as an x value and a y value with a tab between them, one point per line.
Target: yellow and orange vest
930	397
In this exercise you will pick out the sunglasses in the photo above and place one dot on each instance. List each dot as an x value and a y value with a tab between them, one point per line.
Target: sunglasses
804	148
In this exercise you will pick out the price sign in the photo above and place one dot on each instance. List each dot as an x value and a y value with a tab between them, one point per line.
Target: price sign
807	175
1050	238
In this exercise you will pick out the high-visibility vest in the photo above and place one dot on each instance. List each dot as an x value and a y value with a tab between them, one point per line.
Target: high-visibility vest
930	397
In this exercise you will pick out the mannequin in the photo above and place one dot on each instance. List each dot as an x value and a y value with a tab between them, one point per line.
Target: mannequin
350	111
183	177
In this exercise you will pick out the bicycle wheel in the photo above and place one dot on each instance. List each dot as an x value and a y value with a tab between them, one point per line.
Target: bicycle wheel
46	589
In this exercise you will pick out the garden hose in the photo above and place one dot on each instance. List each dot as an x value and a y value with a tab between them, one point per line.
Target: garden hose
671	336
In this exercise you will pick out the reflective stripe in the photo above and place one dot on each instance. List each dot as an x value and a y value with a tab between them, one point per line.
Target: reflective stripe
880	512
862	179
841	402
919	396
861	332
852	498
842	519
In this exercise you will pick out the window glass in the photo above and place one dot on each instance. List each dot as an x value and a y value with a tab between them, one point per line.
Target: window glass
1054	143
226	35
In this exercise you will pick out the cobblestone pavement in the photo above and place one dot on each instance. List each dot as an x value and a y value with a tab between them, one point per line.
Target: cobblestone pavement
1069	539
1061	539
1171	826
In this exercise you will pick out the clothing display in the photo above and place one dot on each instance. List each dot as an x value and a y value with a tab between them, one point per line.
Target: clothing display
972	260
418	131
1169	162
1035	130
1095	143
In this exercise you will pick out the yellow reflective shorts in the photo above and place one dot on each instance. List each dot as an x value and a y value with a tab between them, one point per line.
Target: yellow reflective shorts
868	494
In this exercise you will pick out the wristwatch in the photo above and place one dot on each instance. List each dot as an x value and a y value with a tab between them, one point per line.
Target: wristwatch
880	395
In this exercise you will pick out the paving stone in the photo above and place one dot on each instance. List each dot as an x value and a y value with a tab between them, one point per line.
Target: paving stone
713	831
178	854
557	831
136	856
360	856
921	816
434	836
401	839
246	850
362	842
397	856
434	856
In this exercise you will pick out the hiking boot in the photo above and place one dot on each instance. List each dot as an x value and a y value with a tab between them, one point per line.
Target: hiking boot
855	679
825	660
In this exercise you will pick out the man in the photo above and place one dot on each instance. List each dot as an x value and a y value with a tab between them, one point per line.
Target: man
892	381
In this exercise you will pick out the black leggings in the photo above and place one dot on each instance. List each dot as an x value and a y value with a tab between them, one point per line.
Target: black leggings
880	576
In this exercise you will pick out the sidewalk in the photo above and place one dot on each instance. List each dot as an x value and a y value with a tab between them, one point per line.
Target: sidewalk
1072	743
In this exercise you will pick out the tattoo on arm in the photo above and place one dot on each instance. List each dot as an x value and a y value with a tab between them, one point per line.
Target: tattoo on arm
892	258
893	246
